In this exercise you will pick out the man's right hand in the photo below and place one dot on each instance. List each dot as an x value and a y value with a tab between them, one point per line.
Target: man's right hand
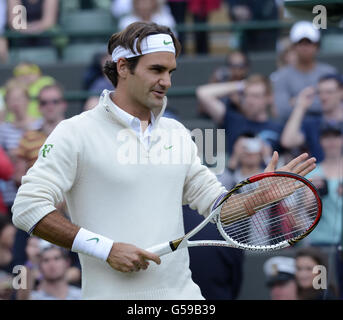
126	257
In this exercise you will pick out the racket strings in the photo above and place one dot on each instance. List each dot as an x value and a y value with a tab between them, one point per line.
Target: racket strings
283	210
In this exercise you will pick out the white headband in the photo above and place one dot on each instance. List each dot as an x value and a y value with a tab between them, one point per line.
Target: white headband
150	44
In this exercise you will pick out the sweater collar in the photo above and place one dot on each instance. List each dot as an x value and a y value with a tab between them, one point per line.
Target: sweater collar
120	115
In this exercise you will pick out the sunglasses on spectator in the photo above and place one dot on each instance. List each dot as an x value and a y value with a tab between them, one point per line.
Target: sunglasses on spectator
52	101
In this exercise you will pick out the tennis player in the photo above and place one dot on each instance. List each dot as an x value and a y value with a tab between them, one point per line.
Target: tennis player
119	207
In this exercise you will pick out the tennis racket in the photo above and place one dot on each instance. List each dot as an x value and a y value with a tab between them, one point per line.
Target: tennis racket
268	211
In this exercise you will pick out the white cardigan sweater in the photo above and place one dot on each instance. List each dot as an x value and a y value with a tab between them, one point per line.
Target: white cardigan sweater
90	161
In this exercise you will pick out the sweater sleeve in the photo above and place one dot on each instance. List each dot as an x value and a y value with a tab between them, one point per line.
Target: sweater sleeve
52	175
201	187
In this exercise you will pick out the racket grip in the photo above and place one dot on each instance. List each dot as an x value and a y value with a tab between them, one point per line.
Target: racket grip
161	249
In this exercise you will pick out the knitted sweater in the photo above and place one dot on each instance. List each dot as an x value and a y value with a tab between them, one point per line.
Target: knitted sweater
116	187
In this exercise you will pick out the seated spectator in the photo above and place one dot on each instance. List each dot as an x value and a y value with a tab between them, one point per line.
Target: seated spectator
29	75
301	130
6	172
17	100
94	79
148	11
306	259
327	177
249	157
52	106
53	266
290	80
3	40
280	273
42	15
255	109
236	68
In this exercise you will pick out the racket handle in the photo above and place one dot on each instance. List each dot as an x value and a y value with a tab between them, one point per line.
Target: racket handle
161	249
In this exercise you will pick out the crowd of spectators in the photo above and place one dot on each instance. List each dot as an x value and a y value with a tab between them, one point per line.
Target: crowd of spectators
299	107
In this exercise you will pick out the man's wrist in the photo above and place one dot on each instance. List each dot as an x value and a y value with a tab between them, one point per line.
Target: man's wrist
92	244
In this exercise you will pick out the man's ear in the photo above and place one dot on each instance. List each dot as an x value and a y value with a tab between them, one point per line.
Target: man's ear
122	68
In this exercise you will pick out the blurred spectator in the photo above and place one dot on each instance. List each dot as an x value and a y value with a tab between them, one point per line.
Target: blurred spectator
17	100
221	276
286	54
120	8
280	273
29	75
305	130
255	109
3	40
90	103
236	68
200	9
262	10
7	233
249	157
42	15
178	9
53	266
6	172
52	106
290	80
94	79
328	179
306	259
148	11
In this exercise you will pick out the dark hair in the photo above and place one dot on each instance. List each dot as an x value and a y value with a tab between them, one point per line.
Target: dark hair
126	39
333	76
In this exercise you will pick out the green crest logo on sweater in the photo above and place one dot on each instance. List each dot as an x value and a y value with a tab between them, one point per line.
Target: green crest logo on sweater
46	149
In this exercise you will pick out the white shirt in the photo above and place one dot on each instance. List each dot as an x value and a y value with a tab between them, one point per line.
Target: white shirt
133	122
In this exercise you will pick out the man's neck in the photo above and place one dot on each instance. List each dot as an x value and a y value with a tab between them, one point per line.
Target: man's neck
58	289
142	114
305	66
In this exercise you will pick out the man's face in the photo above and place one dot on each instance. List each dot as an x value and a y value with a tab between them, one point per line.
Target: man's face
151	79
255	100
53	265
51	104
306	50
17	101
238	66
330	94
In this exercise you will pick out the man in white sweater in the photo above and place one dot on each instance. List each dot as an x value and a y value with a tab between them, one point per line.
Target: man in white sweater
125	173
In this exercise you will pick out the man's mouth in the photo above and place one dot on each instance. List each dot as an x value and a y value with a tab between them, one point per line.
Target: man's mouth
159	93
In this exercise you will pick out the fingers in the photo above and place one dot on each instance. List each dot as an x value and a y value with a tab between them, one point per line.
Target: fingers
128	258
296	161
273	163
306	167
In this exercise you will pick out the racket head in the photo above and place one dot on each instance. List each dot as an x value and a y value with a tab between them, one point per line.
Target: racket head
292	209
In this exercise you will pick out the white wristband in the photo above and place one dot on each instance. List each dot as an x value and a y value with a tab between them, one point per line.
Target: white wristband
92	244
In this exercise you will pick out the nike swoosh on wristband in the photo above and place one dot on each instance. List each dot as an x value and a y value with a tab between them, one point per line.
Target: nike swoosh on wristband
167	42
96	239
167	148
